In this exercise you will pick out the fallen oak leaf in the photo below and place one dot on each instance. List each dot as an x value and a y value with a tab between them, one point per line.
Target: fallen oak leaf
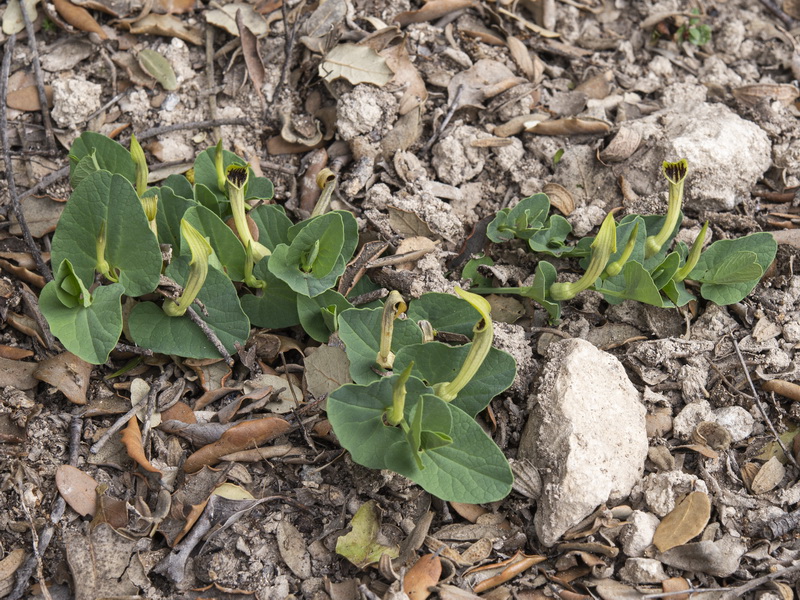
424	574
79	18
239	437
431	11
78	489
503	571
687	520
132	440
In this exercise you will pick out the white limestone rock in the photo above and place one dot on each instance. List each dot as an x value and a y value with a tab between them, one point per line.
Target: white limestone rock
586	435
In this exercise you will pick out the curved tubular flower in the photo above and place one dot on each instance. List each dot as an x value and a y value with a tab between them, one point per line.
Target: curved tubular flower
102	265
603	246
481	344
198	270
150	206
394	307
675	172
396	414
236	180
137	154
615	267
694	255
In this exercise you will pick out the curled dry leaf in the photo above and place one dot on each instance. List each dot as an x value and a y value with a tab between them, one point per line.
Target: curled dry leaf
357	64
169	26
490	576
518	124
424	574
621	146
405	76
751	95
27	98
252	55
132	440
321	24
225	18
79	18
560	198
570	126
768	477
78	489
68	373
597	87
18	373
787	389
245	435
686	521
521	55
482	80
12	17
8	567
431	11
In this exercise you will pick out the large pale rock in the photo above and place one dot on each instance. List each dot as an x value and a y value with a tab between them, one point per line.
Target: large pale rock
586	435
727	155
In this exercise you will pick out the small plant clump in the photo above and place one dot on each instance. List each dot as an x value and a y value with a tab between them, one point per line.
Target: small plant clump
187	267
632	260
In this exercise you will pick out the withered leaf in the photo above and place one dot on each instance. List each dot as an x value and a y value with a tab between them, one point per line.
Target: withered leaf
13	21
68	373
431	11
79	18
360	546
686	521
41	214
8	567
99	561
19	374
78	489
294	549
245	435
768	476
424	574
168	26
490	576
225	18
357	64
751	95
326	369
406	222
406	76
570	126
252	55
322	23
27	98
560	198
132	440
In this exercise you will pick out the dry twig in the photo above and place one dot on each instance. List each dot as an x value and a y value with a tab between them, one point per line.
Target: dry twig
37	71
44	270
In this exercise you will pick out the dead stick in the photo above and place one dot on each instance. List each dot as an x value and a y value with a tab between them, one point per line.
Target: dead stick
148	133
778	12
450	112
760	406
210	334
212	98
44	270
24	573
37	70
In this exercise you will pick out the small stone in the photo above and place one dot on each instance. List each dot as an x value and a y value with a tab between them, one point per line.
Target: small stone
643	570
661	489
736	420
690	417
74	101
586	435
637	533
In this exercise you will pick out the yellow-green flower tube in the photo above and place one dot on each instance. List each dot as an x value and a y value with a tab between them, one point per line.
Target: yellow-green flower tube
481	344
393	308
603	246
102	265
395	415
615	267
137	154
675	172
198	270
236	180
694	255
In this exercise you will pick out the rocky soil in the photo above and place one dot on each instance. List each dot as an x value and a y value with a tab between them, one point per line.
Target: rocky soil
644	463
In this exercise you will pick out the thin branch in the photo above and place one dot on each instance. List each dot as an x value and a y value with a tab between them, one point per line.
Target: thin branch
450	112
760	406
148	133
778	12
210	334
212	99
37	70
44	270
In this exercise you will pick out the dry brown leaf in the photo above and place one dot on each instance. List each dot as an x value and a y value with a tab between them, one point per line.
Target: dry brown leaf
597	87
406	222
27	98
180	411
41	214
787	389
686	521
78	489
224	17
322	24
68	373
490	576
622	146
8	567
79	18
252	56
560	198
406	76
132	440
570	126
326	369
24	323
768	477
470	512
676	584
431	11
482	80
101	563
405	132
18	373
14	353
521	55
168	26
174	6
424	574
239	437
518	124
213	373
751	95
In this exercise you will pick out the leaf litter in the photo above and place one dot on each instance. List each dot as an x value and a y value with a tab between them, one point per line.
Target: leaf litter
429	57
